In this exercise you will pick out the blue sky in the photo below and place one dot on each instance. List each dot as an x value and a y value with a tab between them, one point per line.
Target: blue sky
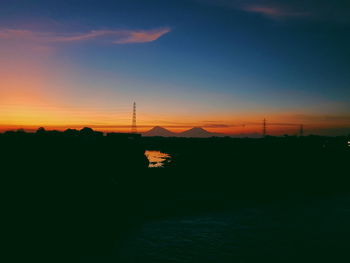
185	61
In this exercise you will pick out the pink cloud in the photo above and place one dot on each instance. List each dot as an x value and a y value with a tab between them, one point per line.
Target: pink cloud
113	36
16	33
142	36
274	12
80	36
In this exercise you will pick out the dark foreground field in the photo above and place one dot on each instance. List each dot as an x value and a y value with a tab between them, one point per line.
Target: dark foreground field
81	197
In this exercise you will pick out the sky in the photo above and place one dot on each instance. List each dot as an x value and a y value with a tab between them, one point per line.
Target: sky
223	65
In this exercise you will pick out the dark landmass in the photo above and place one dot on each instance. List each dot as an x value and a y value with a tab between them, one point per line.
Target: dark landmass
195	132
78	192
198	132
69	193
265	169
159	131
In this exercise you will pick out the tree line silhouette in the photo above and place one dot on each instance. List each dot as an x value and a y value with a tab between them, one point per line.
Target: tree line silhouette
70	192
78	191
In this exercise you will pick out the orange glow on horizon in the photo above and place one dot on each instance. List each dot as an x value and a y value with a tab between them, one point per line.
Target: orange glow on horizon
245	129
34	93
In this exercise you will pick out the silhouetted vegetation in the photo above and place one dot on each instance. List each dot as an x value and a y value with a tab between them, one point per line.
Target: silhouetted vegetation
69	191
78	191
229	170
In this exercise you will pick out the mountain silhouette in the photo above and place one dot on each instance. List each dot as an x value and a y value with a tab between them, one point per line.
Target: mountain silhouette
195	132
198	132
159	131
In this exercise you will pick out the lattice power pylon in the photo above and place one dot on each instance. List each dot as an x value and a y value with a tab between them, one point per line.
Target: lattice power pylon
264	128
301	130
133	125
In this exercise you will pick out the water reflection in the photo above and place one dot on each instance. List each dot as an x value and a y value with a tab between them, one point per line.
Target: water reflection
157	158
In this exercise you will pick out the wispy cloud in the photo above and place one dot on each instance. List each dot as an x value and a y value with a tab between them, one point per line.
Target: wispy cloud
319	10
344	118
142	36
217	126
271	11
111	36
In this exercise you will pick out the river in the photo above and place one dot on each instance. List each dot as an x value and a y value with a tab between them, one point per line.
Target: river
157	159
314	230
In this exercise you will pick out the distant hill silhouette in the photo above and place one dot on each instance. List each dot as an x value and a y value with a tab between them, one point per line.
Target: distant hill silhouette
198	132
159	131
195	132
246	135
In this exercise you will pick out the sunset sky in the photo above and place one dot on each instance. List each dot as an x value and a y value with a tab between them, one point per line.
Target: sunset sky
224	65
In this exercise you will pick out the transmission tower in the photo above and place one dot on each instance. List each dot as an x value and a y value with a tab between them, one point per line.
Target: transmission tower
133	125
301	131
264	128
